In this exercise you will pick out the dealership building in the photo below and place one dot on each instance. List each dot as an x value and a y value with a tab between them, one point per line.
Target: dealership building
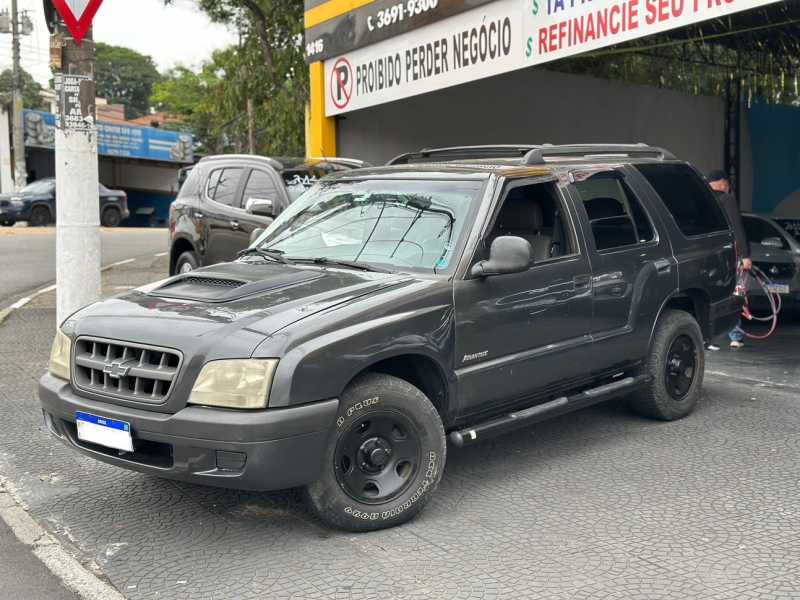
392	76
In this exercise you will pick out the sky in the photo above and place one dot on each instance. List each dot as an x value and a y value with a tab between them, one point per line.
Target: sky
177	34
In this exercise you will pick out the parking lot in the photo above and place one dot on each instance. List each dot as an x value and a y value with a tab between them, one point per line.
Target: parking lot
598	504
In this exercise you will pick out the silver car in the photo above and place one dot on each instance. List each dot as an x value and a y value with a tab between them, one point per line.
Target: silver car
777	254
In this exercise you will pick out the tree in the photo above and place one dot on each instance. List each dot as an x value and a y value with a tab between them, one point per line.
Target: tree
267	66
125	77
30	90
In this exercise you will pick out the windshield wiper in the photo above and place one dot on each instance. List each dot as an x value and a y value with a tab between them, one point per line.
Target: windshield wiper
270	254
331	262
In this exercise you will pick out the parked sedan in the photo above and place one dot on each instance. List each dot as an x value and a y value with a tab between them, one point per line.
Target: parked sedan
777	254
36	204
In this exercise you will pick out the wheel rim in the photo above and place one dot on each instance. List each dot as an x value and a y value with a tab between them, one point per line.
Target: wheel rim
111	218
185	267
681	367
39	217
377	458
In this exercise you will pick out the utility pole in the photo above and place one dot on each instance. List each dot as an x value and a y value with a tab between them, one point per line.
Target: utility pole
77	208
20	171
251	127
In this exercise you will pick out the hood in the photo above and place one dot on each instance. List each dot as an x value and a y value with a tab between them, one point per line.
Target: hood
228	309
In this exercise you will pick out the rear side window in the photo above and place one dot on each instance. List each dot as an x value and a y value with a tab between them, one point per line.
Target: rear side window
615	214
687	197
222	185
261	186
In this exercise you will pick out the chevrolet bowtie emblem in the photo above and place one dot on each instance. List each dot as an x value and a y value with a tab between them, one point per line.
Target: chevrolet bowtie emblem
118	369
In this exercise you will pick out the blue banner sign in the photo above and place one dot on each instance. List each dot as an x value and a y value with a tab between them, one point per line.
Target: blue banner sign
129	141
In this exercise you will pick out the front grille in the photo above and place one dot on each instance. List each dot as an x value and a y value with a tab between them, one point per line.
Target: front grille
124	370
213	282
777	270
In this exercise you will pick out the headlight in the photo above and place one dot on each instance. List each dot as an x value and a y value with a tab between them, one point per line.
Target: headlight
59	355
234	383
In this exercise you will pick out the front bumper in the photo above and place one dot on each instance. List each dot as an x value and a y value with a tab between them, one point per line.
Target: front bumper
250	450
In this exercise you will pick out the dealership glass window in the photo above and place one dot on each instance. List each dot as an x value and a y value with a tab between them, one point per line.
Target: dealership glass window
260	185
615	214
687	197
222	185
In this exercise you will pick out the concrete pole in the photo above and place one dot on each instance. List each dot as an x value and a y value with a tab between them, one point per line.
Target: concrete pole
77	196
20	171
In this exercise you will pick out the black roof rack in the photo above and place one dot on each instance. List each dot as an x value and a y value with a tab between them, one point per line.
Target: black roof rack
537	155
463	153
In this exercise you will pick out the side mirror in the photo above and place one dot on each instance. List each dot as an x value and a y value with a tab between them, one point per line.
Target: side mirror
255	235
260	206
508	254
772	242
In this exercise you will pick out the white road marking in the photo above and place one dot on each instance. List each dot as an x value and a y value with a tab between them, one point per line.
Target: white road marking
47	549
160	254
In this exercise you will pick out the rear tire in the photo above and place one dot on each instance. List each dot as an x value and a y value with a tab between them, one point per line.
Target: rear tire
384	460
676	365
111	217
7	223
40	217
186	263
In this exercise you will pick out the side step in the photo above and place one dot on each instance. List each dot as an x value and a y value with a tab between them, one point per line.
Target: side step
548	410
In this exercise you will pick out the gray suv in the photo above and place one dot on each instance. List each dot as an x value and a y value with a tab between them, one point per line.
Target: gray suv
455	294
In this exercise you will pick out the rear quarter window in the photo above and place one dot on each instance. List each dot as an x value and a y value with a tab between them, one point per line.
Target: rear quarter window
687	197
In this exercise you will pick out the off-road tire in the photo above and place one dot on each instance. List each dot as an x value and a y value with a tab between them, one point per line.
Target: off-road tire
187	258
369	400
111	217
40	217
656	400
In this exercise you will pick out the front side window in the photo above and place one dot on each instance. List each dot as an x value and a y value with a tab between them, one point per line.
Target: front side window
403	224
222	185
616	216
260	185
687	197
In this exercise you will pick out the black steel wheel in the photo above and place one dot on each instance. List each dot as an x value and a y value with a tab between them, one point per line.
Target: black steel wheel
377	458
676	366
111	217
681	367
384	459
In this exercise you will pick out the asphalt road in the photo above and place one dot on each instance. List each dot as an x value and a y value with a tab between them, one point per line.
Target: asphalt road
27	255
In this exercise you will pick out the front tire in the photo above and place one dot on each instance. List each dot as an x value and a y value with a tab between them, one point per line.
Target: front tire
676	365
385	459
40	217
111	217
186	263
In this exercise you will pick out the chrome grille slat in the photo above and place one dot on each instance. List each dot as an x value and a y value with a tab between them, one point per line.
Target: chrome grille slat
125	370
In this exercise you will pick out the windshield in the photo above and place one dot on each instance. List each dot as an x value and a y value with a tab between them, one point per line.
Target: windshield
43	186
403	224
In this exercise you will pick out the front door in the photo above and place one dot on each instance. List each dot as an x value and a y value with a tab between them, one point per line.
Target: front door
222	225
520	335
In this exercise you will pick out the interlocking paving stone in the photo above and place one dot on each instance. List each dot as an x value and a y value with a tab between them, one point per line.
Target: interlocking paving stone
596	505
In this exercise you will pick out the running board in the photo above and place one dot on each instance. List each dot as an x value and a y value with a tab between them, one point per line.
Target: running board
548	410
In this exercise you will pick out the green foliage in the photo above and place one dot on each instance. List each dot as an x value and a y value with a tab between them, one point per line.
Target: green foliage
267	67
30	90
125	77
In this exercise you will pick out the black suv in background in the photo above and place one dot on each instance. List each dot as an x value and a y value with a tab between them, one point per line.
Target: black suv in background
391	308
225	200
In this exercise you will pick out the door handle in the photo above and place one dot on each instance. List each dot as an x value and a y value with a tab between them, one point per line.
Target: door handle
663	266
582	282
235	224
607	277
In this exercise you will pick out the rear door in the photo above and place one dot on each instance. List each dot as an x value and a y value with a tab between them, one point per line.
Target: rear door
633	270
222	198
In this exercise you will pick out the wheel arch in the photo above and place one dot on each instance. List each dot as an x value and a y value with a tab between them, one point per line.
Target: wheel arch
695	301
179	246
421	371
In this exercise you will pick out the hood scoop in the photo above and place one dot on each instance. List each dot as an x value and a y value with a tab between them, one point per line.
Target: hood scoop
217	287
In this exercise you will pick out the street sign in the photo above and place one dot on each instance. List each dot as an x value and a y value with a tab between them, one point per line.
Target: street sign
77	15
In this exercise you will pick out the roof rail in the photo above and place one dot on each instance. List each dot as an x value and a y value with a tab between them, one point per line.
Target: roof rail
537	155
464	152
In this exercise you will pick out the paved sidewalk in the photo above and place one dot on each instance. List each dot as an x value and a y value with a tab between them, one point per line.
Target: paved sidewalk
598	504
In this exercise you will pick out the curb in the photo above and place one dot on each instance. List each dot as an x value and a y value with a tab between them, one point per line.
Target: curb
8	310
72	574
